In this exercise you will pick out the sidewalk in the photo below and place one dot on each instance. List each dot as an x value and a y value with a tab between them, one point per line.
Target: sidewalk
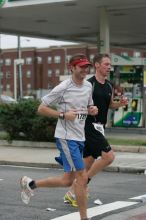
128	159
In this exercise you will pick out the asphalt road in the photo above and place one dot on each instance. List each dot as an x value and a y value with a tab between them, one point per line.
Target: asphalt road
109	187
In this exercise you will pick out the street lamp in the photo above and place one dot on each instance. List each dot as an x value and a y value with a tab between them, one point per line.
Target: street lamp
17	62
0	67
20	69
65	62
20	66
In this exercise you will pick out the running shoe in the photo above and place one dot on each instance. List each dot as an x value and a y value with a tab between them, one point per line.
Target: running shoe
26	192
70	199
59	160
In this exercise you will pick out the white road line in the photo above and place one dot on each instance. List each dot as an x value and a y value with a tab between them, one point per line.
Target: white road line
141	198
1	179
98	210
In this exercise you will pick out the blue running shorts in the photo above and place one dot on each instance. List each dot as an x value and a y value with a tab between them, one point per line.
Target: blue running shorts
71	153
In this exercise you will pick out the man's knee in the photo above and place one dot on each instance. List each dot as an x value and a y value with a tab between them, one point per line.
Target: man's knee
82	179
108	157
111	158
67	183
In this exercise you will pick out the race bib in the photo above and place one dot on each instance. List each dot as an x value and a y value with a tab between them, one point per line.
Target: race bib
82	114
99	127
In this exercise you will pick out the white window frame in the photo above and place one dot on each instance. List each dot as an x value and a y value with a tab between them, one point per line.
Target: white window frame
28	60
49	59
8	62
57	72
28	73
50	72
57	59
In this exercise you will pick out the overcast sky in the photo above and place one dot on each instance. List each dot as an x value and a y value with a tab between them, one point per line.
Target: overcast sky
10	41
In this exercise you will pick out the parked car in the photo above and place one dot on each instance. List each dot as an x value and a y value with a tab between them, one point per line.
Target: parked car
7	99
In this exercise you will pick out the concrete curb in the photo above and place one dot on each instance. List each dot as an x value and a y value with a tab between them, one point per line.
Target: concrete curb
123	169
128	148
32	144
50	145
30	164
119	169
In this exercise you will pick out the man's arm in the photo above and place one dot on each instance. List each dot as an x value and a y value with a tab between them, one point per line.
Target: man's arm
47	111
123	101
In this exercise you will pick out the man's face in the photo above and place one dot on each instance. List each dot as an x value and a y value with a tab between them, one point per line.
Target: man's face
80	72
104	66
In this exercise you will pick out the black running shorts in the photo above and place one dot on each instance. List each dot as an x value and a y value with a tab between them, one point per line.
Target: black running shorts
95	142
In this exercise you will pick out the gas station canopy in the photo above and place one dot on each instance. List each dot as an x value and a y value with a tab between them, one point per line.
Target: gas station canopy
76	20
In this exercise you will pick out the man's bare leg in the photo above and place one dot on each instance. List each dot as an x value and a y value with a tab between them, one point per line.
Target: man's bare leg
59	181
80	192
99	164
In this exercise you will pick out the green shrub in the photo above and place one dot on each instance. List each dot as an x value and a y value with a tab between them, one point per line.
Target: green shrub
21	122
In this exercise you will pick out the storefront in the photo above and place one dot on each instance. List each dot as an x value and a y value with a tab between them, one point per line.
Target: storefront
128	79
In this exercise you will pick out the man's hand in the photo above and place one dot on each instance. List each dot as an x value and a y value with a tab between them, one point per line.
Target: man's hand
70	115
123	101
92	110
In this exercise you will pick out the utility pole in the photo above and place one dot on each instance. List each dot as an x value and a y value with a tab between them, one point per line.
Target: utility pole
20	68
0	67
65	62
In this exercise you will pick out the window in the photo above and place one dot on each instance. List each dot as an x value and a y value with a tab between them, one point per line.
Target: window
1	87
49	73
1	61
39	60
49	86
136	54
8	87
7	62
1	75
8	75
57	59
28	74
68	58
49	59
29	60
57	72
66	71
29	86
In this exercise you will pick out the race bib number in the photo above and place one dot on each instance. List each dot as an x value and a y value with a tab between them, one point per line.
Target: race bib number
81	116
99	127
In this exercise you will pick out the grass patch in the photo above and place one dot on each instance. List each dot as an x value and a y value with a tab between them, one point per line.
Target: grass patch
135	142
112	141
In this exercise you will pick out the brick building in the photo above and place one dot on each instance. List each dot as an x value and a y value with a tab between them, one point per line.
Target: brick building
42	68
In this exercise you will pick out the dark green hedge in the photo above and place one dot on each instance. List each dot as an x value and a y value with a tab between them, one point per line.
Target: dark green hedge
22	122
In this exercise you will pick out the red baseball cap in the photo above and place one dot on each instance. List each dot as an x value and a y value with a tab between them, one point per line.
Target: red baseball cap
80	62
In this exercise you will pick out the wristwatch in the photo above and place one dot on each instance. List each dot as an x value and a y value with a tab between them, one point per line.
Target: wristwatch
61	115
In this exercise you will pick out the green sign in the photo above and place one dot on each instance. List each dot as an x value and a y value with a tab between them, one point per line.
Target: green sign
2	2
13	0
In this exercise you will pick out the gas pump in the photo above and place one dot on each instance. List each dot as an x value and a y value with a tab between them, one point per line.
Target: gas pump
131	81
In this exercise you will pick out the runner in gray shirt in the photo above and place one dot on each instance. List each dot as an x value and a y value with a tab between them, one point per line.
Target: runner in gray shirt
74	101
71	97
